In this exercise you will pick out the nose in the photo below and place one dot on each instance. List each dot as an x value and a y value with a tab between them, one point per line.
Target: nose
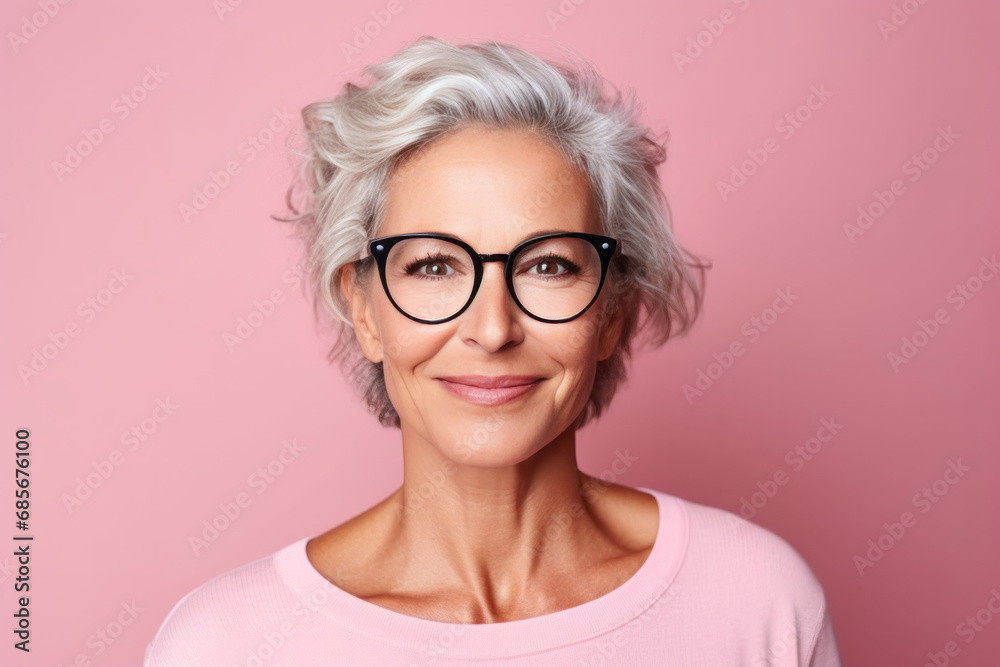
493	318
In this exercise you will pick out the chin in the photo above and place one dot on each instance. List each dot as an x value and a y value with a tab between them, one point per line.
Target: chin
486	443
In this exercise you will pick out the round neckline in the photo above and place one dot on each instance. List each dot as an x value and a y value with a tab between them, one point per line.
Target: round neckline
508	638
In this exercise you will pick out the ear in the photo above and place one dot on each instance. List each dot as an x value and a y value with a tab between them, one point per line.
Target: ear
611	329
366	328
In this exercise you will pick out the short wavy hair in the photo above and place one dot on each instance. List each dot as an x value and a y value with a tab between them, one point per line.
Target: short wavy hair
430	88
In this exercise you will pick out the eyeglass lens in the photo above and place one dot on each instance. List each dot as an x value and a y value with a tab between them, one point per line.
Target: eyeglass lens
432	279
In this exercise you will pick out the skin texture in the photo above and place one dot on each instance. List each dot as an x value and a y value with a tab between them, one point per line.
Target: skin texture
476	550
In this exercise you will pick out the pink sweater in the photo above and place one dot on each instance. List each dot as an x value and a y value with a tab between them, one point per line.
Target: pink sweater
714	591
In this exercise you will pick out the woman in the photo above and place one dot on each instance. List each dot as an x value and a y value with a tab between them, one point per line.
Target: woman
489	228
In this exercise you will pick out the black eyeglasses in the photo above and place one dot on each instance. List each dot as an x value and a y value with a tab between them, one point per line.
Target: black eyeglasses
433	278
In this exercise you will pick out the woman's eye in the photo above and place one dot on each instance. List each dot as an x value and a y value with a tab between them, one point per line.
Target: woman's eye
437	269
551	266
548	267
432	267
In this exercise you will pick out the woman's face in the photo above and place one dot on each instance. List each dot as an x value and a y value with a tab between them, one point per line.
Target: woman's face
492	189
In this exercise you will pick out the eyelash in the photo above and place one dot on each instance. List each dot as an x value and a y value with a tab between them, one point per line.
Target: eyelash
412	267
571	268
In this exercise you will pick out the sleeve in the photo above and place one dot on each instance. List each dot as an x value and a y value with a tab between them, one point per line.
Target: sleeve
160	652
200	629
147	658
824	651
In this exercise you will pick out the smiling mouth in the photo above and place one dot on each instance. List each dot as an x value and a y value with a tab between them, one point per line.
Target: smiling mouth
492	382
484	390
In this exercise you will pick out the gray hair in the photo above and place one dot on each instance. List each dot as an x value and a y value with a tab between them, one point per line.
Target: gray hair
430	88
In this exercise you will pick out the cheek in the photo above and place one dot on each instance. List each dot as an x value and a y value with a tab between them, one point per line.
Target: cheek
397	345
577	349
576	353
406	346
401	338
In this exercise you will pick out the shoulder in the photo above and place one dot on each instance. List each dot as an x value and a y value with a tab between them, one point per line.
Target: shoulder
751	581
749	549
214	617
725	552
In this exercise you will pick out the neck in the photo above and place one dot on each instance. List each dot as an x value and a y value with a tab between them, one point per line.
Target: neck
493	530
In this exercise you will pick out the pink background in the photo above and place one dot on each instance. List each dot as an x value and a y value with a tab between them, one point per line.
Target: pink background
162	336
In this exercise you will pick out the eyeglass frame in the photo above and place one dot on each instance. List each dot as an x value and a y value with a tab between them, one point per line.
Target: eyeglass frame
379	249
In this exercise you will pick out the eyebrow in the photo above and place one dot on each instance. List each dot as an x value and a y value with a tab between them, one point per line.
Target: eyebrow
541	232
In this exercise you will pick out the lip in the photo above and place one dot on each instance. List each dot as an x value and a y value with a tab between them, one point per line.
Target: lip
492	381
487	390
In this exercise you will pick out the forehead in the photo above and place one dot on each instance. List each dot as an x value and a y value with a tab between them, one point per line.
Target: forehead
488	186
